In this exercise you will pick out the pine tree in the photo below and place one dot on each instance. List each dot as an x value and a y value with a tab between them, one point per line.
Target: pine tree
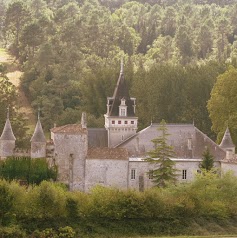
207	160
164	172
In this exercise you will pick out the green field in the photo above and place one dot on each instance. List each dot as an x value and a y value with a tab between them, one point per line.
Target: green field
212	236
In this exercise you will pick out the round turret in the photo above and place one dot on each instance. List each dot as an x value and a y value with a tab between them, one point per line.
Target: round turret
7	139
38	142
227	143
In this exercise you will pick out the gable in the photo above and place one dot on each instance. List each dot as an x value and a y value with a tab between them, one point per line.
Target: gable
187	141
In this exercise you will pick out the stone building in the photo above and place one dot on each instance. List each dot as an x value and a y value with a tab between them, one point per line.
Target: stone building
114	156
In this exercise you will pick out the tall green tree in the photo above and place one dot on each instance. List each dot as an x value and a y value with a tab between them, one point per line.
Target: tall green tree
17	16
223	103
164	172
207	160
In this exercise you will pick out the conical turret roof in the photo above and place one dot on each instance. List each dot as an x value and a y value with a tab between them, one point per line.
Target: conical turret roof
7	133
227	140
121	92
38	135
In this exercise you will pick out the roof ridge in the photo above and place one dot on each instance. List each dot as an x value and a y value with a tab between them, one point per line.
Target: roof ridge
131	137
208	138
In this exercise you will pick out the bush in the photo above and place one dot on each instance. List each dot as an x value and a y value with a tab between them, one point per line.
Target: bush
66	232
47	201
6	202
12	232
34	171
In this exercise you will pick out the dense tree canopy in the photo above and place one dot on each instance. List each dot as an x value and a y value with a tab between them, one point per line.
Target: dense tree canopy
70	52
8	101
223	103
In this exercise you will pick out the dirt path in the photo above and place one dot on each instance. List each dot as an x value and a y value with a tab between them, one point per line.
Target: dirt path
14	75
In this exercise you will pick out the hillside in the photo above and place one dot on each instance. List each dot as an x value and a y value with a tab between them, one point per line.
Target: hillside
70	53
14	74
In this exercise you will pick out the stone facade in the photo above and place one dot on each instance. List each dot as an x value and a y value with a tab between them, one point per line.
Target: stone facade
70	150
114	156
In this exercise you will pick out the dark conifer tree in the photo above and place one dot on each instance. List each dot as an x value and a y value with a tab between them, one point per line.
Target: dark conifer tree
164	172
207	160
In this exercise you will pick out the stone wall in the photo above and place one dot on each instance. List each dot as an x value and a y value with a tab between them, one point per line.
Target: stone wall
229	166
7	148
106	172
141	168
38	149
70	152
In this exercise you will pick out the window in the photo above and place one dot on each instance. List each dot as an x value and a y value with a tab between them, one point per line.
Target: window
132	122
125	122
133	173
113	122
123	112
119	122
150	174
184	174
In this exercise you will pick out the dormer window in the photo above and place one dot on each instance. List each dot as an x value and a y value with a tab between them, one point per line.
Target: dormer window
123	108
123	112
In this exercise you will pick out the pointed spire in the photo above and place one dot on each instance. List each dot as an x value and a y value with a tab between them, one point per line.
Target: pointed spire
227	140
8	112
7	133
83	120
121	92
38	113
38	135
121	68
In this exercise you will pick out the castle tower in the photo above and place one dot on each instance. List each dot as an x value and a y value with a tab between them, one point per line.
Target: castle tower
227	143
7	139
120	119
70	151
38	142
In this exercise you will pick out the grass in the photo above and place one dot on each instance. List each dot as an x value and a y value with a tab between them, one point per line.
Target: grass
4	57
211	236
14	74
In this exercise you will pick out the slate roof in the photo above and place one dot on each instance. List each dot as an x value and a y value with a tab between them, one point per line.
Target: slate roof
179	135
38	135
108	153
97	137
121	91
227	140
69	129
7	133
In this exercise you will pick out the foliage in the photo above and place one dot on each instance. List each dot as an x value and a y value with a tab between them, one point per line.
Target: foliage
12	232
8	99
34	171
67	232
70	52
48	208
222	104
6	202
164	172
207	160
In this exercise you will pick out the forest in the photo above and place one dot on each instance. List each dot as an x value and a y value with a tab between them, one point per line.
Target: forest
176	53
